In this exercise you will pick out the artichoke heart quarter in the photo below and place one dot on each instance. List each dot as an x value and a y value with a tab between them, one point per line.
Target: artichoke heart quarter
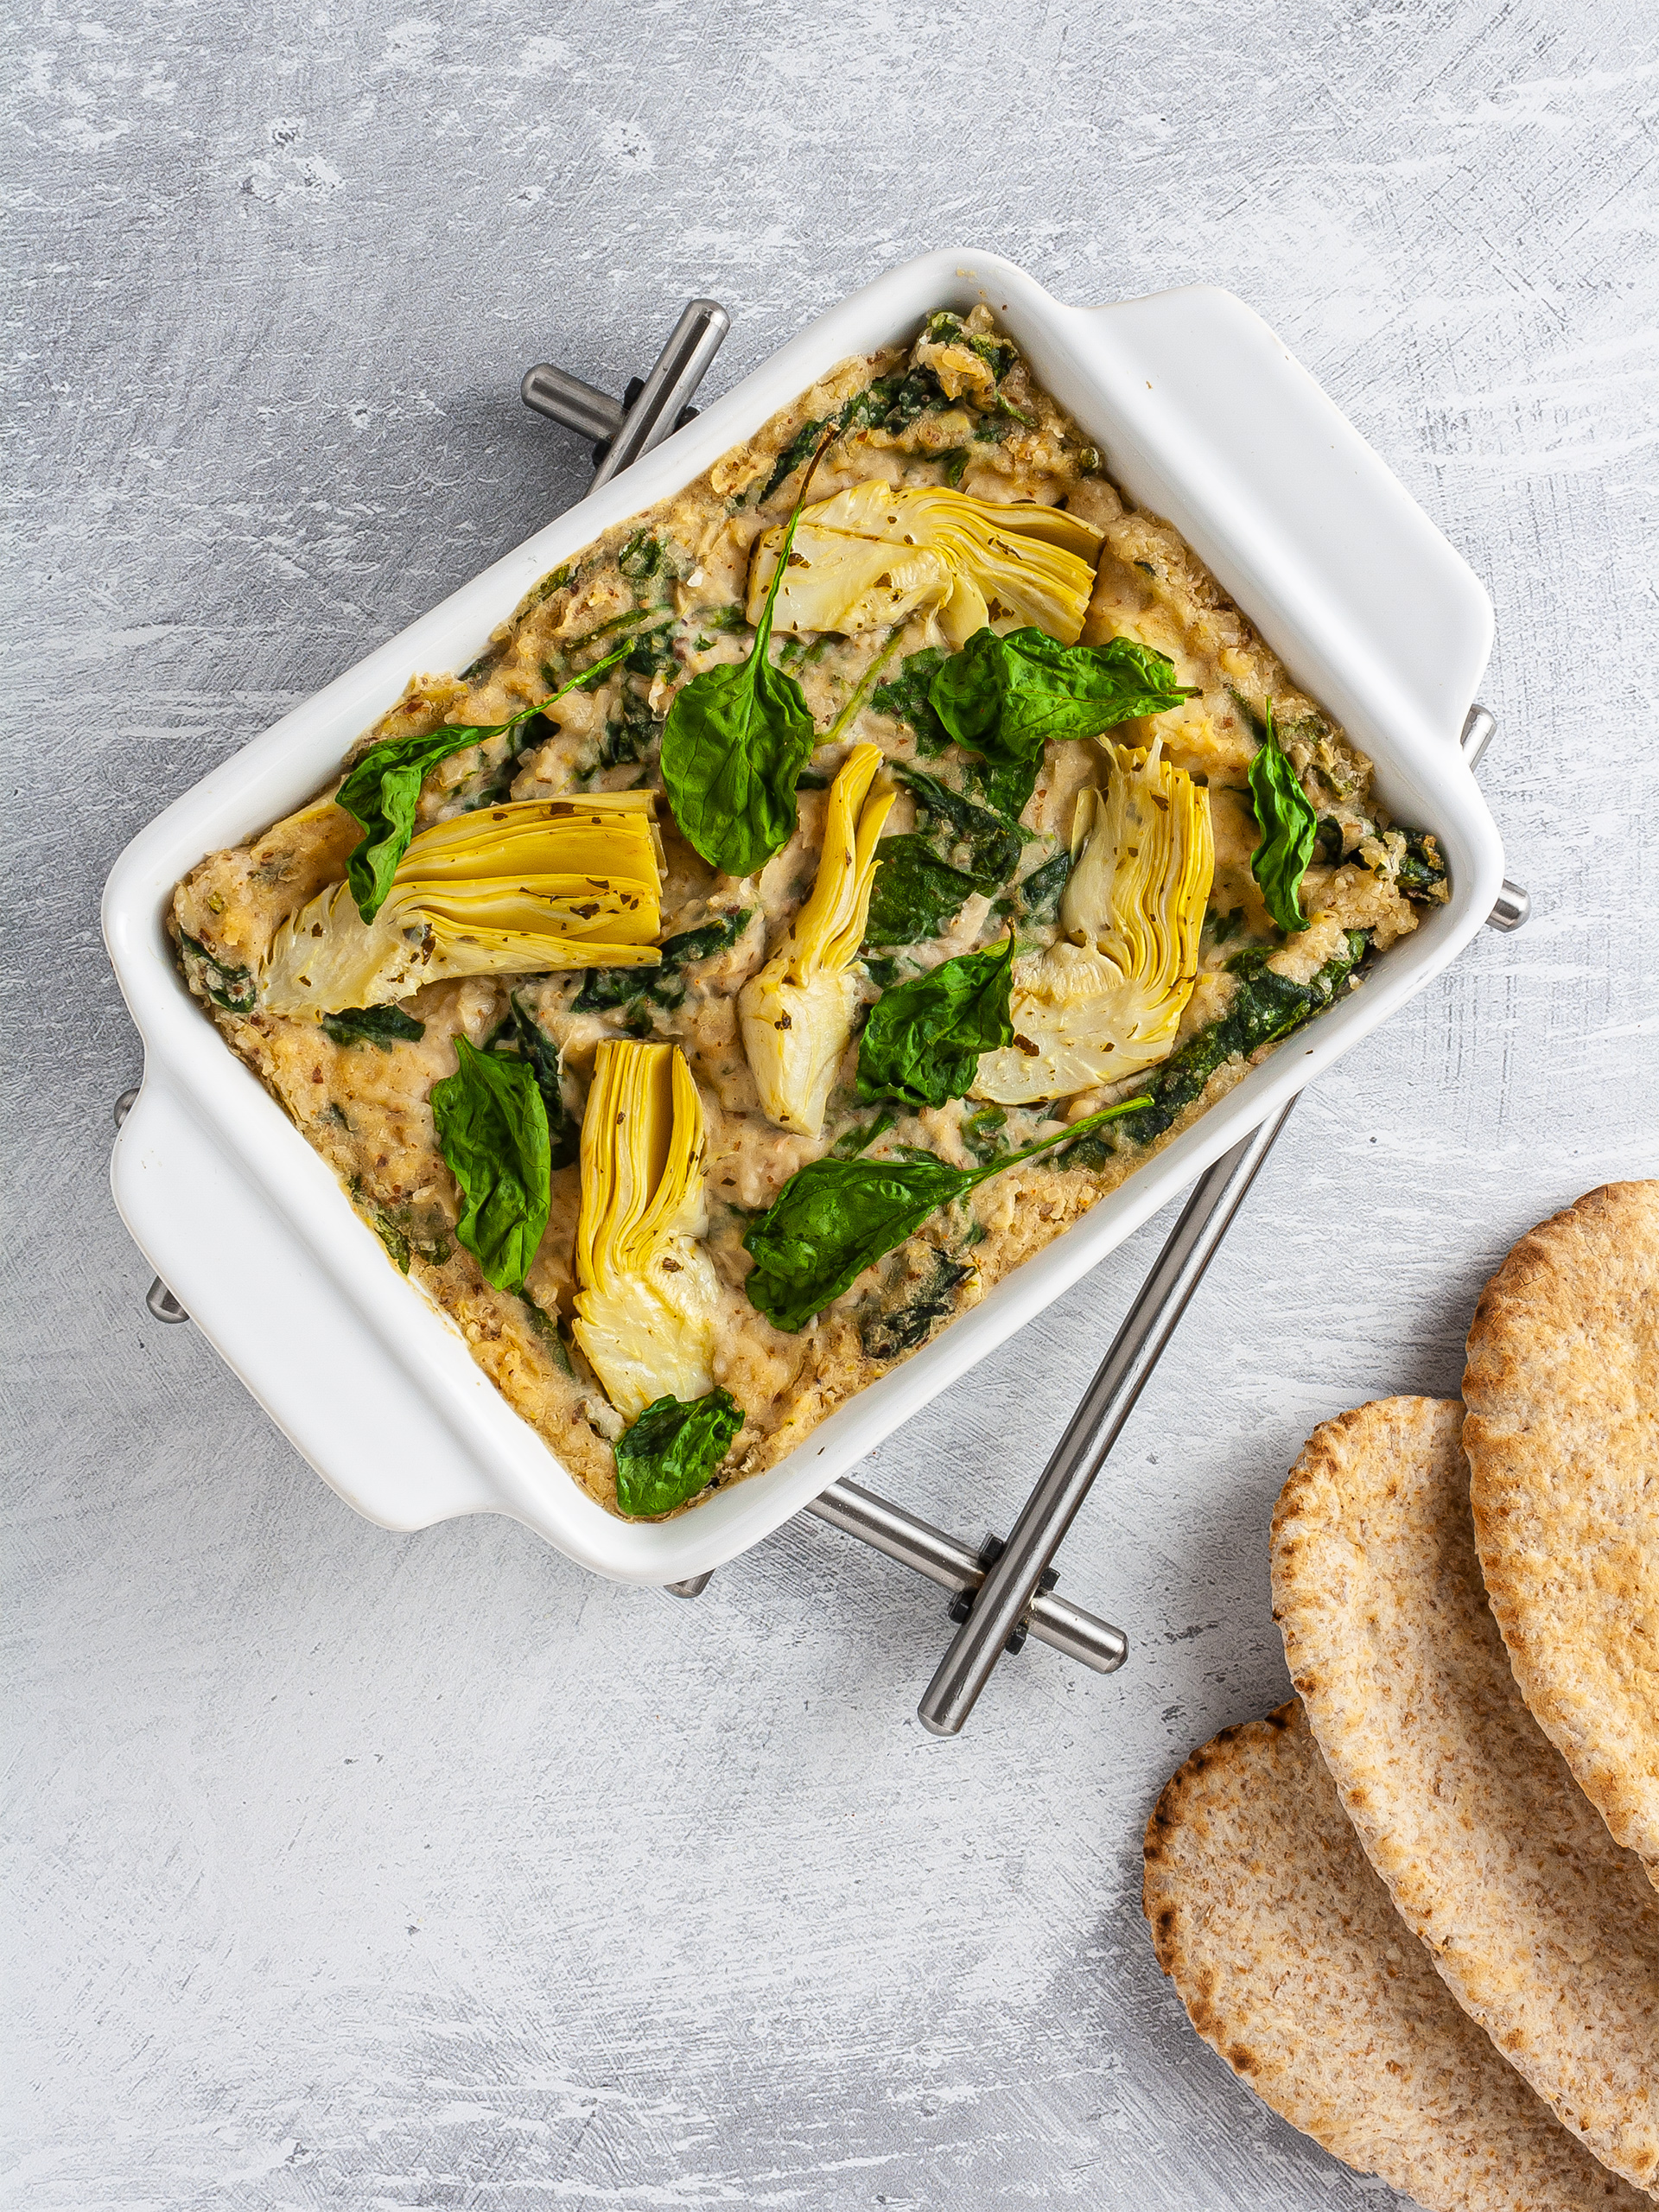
878	553
647	1300
797	1013
518	889
1107	1000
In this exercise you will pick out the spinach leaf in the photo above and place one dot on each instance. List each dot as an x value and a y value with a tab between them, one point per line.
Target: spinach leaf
796	454
862	1134
737	737
631	736
835	1218
641	556
898	1329
1265	1008
906	697
603	988
1006	697
522	1037
915	892
943	328
1288	826
383	791
922	1042
233	989
888	402
990	843
1423	872
672	1449
894	402
982	1132
1036	897
708	938
492	1132
385	1025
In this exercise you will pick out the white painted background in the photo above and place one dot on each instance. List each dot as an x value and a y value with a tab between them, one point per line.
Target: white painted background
364	1871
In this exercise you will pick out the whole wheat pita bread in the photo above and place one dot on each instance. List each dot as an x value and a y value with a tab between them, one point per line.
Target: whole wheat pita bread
1542	1928
1562	1434
1293	1964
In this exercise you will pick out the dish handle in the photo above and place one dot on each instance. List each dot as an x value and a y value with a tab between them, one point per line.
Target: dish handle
272	1314
1227	435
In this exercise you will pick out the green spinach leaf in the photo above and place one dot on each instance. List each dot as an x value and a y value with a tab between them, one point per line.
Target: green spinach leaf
522	1037
642	557
944	329
603	988
233	989
796	454
1007	697
1288	826
672	1449
492	1132
385	1025
915	892
736	739
1423	872
835	1218
904	697
988	843
1036	897
708	938
861	1135
383	791
896	1328
922	1042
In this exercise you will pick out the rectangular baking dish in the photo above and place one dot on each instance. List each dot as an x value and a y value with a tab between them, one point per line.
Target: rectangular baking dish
1203	416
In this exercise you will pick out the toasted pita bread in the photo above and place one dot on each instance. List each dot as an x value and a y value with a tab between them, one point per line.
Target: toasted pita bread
1562	1434
1284	1948
1541	1927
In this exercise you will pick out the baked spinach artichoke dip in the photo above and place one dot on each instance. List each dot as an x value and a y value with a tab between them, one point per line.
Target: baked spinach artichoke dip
823	890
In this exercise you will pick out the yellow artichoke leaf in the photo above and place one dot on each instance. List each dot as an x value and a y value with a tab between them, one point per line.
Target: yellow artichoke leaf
829	928
1033	563
326	957
540	837
584	909
1143	859
1053	526
1077	1023
645	1345
515	890
648	1300
1106	1003
964	613
796	1014
794	1035
838	581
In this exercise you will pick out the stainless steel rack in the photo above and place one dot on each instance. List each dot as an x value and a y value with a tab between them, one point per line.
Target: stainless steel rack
1003	1592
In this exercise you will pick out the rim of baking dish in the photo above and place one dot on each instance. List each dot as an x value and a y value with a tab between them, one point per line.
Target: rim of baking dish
1397	668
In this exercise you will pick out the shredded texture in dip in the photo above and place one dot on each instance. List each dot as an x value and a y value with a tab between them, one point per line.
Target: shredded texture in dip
675	593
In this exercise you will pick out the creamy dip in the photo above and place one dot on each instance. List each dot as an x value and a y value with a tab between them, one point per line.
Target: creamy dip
674	580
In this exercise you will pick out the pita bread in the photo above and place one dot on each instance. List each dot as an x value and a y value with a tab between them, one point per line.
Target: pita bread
1542	1928
1284	1948
1562	1433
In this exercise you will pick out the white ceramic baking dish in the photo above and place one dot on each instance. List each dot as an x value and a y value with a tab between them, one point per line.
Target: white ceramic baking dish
1204	417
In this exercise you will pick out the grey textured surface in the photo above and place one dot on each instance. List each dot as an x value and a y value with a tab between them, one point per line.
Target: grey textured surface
375	1872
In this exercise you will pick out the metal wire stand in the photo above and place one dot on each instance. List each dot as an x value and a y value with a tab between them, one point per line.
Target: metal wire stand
1002	1592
